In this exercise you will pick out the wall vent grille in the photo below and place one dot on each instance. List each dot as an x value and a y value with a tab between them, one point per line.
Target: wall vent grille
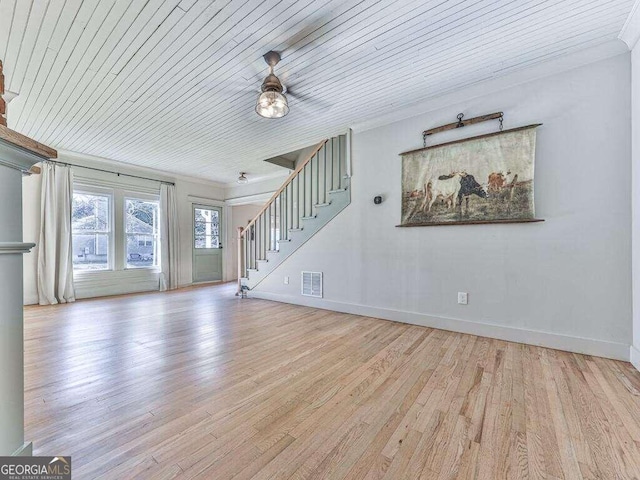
312	284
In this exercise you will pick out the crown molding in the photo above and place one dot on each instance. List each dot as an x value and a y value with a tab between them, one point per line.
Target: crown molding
160	175
498	83
18	158
216	202
258	198
15	247
261	178
630	33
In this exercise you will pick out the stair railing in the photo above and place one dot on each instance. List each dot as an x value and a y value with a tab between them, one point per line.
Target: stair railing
305	189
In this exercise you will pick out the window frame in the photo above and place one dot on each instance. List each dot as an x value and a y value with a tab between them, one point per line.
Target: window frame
194	222
127	195
83	189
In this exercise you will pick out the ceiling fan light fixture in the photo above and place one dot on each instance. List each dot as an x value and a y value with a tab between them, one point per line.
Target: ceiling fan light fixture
272	104
242	179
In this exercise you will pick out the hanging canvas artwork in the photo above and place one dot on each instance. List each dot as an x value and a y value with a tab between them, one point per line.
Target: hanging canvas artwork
482	179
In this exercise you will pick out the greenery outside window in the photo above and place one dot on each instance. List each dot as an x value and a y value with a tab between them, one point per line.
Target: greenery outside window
142	233
91	227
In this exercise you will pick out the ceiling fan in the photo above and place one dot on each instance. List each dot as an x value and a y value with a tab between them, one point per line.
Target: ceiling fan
272	103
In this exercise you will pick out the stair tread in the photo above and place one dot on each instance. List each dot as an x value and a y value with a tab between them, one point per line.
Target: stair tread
310	218
296	229
326	204
340	190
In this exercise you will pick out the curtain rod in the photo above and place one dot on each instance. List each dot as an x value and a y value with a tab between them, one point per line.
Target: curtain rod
110	171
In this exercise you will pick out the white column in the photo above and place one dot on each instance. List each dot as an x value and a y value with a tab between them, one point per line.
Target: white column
12	162
635	203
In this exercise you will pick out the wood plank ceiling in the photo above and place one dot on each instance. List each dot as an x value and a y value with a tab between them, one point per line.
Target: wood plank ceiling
171	84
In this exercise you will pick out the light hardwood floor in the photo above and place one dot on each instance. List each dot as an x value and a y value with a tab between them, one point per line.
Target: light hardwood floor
197	383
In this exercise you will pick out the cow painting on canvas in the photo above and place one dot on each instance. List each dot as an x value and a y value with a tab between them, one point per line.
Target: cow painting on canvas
483	179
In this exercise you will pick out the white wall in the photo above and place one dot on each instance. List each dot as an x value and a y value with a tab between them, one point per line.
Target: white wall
258	188
30	232
635	112
564	283
236	192
189	191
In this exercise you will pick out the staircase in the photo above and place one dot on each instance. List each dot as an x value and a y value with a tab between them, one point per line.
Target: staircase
316	191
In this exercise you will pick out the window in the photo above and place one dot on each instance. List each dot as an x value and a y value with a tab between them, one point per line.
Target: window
207	228
91	231
141	230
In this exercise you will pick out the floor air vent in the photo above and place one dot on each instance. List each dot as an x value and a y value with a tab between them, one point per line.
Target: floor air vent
312	284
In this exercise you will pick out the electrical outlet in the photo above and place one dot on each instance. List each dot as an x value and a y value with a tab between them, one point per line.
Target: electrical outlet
286	280
462	298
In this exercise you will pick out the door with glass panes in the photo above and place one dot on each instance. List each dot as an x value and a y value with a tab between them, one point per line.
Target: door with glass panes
207	244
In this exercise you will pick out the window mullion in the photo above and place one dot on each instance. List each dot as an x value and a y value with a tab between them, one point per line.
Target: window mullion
118	228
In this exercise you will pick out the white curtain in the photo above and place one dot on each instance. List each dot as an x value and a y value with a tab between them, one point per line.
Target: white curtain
168	238
55	251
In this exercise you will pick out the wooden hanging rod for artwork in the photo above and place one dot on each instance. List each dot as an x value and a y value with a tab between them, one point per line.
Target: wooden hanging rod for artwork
462	123
468	139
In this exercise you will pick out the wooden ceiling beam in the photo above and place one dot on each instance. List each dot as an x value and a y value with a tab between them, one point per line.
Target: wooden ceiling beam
27	143
16	138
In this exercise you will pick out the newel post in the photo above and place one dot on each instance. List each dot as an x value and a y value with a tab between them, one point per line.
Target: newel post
239	290
18	155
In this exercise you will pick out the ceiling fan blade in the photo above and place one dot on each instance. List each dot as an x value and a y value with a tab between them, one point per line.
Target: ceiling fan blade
254	71
230	87
241	89
308	102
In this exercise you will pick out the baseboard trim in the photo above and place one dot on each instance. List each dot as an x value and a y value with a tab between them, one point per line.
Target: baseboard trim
25	450
558	341
634	356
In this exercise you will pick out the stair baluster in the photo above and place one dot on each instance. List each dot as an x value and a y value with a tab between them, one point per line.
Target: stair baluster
316	185
339	164
271	229
331	165
324	174
297	181
307	212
